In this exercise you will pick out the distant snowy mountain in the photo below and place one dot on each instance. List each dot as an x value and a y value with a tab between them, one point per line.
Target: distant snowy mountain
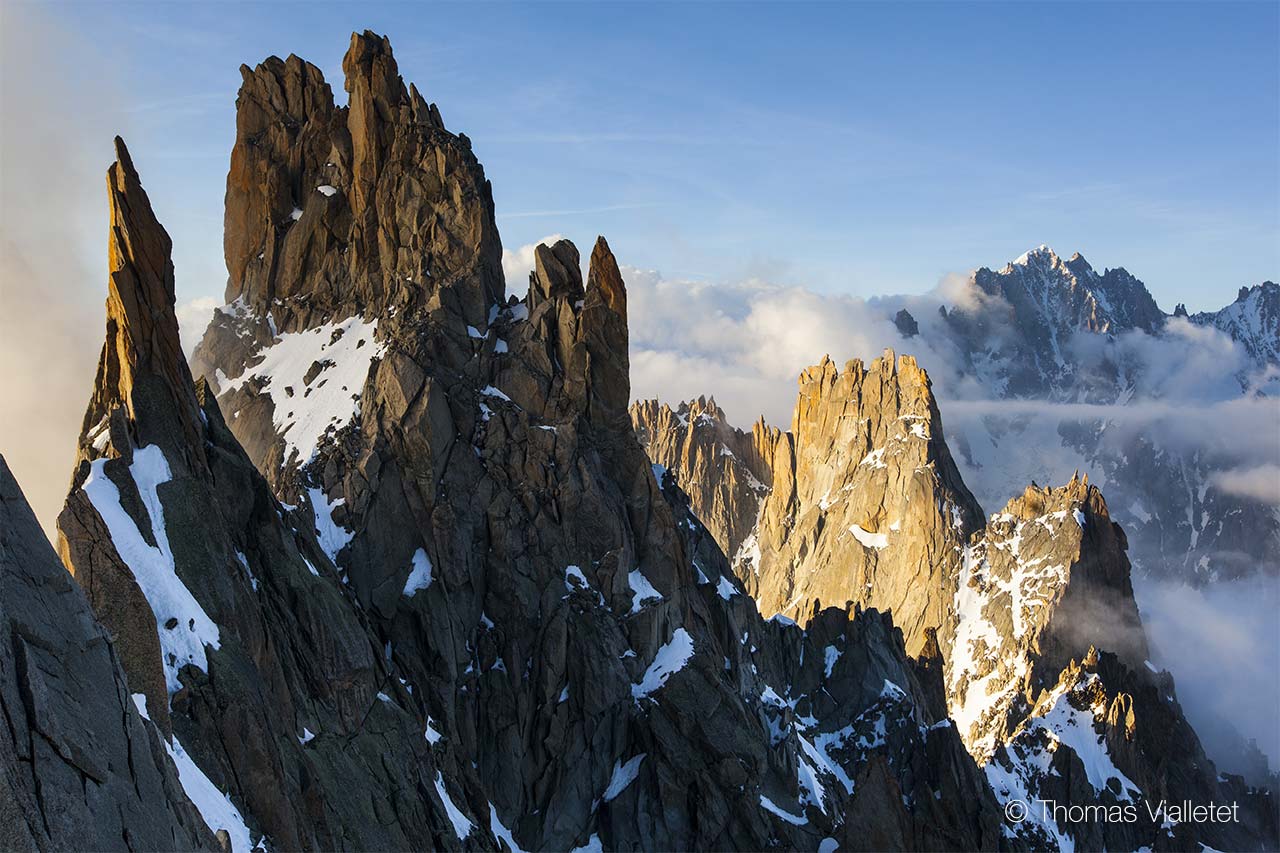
1061	368
1253	320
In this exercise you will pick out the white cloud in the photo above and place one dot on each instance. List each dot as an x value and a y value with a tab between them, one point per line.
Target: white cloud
193	318
1261	483
744	342
1223	647
53	260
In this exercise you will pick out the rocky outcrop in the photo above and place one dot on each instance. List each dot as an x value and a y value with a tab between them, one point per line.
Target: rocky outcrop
1044	582
867	506
724	470
1106	761
1009	616
80	767
336	217
353	204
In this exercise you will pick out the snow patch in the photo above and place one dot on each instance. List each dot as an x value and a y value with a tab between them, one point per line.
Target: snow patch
153	567
831	655
420	576
304	414
770	806
215	807
670	659
500	831
461	826
331	536
869	539
641	591
623	775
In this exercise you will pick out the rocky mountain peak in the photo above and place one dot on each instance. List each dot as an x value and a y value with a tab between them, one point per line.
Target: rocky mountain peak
140	368
1019	327
241	643
906	324
605	279
1031	626
556	272
1253	321
1044	290
867	505
344	225
1046	579
371	73
1040	256
338	211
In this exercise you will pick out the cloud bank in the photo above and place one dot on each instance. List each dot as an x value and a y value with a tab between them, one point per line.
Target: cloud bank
52	286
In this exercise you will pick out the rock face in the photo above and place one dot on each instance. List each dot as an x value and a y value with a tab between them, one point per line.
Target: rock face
422	588
335	218
80	767
867	506
725	471
1044	582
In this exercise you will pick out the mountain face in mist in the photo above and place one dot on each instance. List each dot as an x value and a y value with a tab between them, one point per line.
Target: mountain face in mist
389	568
1047	330
1253	320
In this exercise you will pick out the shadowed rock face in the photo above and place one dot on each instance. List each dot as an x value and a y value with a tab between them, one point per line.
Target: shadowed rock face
1104	736
79	766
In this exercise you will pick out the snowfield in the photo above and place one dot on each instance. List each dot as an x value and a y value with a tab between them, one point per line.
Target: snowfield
304	413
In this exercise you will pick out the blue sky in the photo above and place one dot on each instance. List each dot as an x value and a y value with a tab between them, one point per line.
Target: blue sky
863	148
